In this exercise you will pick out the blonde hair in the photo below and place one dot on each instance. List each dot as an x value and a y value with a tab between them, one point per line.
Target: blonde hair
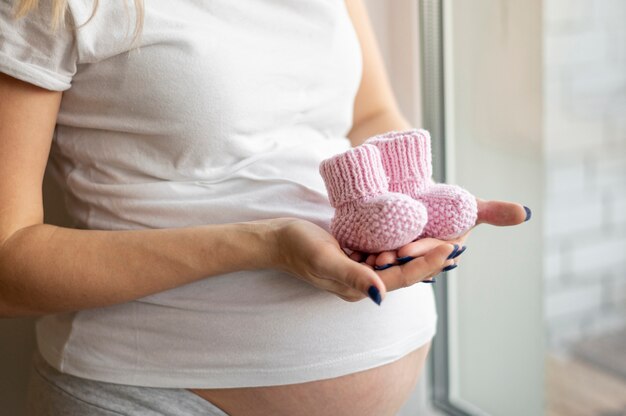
59	9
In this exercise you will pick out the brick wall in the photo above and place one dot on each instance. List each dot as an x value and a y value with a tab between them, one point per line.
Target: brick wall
585	131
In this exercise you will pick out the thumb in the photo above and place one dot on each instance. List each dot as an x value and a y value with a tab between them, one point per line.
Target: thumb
501	213
359	277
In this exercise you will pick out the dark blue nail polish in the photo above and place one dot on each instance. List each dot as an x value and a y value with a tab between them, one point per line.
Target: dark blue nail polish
374	294
456	248
428	281
458	253
450	267
383	267
529	213
404	260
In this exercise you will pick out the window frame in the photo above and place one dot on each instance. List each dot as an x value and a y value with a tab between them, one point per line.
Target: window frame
433	105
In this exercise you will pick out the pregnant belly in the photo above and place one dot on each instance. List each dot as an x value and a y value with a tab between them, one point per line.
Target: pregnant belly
378	391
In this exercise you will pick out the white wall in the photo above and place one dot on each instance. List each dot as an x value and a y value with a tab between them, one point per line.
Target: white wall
395	24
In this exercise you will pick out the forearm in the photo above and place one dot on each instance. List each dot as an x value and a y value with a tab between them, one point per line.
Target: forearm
47	269
380	122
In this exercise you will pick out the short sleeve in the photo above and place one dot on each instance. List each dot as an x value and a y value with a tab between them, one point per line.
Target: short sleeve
30	50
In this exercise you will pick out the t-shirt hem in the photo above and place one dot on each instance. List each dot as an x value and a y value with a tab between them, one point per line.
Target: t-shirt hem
33	74
207	378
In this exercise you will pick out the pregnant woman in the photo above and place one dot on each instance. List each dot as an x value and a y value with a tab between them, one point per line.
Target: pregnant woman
198	276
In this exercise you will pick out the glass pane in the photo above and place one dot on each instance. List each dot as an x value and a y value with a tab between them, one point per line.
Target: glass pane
585	211
493	111
536	112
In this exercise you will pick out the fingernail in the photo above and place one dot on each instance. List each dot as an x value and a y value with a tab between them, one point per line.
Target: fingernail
428	281
456	248
450	267
529	213
374	294
458	253
383	267
405	259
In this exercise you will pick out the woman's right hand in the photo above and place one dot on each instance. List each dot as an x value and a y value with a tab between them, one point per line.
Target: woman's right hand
311	254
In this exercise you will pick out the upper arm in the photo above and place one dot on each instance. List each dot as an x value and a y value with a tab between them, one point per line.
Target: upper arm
36	64
27	119
375	95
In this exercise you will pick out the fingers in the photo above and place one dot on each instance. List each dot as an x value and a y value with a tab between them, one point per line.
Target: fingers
386	257
381	259
501	213
419	248
421	259
408	252
421	268
461	239
356	277
373	259
357	256
428	257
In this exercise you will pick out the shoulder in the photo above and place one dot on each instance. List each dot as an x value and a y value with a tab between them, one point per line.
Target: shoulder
33	50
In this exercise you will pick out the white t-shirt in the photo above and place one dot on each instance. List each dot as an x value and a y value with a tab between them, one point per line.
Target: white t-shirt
222	115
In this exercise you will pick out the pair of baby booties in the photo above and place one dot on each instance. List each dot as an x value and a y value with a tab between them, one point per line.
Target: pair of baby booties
384	195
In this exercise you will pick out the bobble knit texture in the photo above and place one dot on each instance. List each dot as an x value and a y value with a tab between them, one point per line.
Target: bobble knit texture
407	161
368	217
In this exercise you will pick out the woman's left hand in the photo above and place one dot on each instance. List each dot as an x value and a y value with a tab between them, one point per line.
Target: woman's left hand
498	213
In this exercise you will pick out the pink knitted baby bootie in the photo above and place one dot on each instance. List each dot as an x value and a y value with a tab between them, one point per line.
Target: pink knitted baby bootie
407	160
367	216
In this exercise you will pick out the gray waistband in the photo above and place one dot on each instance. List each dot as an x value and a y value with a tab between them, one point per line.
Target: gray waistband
52	393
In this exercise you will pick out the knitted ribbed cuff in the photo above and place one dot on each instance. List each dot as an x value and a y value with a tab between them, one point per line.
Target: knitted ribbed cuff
406	156
354	174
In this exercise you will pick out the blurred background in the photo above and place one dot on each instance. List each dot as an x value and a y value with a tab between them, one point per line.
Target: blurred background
528	103
584	72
